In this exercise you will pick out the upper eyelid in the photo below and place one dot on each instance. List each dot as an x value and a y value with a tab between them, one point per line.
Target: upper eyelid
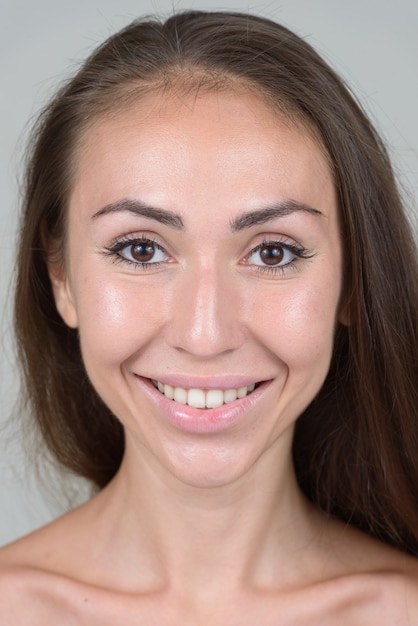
300	254
279	242
120	243
132	238
125	243
282	240
266	237
261	237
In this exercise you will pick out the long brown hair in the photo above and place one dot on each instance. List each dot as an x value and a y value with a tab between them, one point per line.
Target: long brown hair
355	446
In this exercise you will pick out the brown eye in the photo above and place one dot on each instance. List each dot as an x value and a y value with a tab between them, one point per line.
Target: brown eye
275	255
271	254
142	252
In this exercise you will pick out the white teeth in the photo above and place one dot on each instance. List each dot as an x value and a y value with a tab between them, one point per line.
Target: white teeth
214	398
200	399
230	395
168	391
196	398
180	395
242	392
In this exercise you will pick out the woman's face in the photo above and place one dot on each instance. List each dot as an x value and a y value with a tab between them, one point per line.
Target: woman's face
203	261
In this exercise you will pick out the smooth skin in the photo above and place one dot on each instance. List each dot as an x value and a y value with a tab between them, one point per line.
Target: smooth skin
203	251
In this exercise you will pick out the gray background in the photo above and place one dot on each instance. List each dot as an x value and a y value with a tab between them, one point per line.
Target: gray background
372	43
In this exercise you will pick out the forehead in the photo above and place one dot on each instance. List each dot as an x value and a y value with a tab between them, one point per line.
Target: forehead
200	150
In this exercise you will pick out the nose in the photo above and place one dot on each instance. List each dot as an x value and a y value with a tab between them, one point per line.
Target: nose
206	315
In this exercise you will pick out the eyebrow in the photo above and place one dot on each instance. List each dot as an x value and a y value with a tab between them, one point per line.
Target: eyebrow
169	218
278	209
246	220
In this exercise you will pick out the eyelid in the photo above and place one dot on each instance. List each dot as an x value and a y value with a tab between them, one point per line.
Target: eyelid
119	244
286	248
299	252
264	239
140	235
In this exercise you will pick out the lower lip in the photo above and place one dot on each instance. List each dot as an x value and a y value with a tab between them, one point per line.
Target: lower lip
189	419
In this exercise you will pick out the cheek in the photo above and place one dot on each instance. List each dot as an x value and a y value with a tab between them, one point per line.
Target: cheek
116	319
310	319
299	325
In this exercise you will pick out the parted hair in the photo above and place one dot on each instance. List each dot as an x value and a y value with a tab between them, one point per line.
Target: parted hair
356	445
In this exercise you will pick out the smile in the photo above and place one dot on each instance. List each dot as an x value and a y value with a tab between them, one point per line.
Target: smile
201	398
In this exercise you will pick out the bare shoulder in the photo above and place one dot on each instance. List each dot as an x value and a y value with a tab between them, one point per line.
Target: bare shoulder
31	594
23	583
398	587
36	583
22	596
43	580
377	583
364	582
40	550
387	598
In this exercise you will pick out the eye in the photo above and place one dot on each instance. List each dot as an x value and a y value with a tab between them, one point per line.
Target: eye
274	254
139	252
143	251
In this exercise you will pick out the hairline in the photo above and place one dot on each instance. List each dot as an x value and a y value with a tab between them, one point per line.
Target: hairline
192	79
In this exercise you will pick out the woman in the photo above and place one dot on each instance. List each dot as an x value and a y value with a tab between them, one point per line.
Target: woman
216	317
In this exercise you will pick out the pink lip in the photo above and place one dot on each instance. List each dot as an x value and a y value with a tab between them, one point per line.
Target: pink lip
202	421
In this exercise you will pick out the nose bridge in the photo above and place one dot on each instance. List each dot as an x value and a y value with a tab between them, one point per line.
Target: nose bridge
207	321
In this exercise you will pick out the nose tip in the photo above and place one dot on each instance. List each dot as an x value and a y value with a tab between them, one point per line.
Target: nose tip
205	318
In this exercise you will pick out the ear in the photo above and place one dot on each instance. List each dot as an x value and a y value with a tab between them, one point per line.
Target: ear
64	300
61	288
344	316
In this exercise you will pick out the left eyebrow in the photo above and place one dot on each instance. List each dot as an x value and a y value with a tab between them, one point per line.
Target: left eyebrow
278	209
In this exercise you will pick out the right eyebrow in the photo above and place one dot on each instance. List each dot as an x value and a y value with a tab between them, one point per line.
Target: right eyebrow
169	218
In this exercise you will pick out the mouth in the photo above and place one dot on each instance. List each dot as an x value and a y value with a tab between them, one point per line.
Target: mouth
203	398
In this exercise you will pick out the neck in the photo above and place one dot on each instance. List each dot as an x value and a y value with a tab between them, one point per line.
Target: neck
186	535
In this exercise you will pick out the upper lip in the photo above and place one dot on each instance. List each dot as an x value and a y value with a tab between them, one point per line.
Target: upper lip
211	382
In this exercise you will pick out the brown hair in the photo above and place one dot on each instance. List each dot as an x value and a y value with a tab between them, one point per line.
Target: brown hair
355	446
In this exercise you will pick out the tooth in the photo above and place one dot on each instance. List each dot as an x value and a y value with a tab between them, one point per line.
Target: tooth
214	398
196	398
169	392
200	399
230	395
180	395
242	392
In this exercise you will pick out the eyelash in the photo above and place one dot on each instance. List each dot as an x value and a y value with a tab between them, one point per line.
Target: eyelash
115	250
298	253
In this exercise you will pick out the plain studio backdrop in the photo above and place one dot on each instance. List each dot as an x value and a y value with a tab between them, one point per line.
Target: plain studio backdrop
373	44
